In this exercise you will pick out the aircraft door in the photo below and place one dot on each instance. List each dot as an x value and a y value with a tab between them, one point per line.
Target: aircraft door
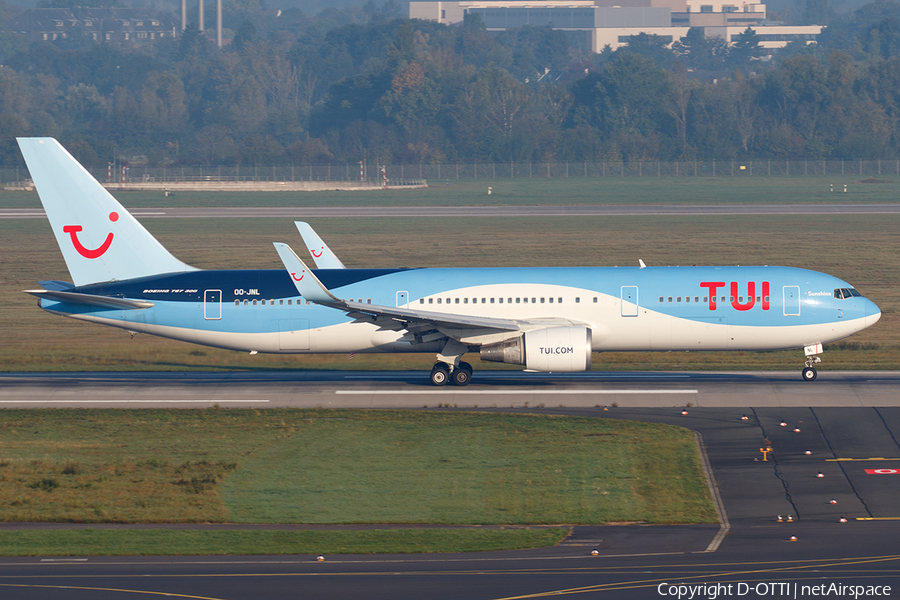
629	301
402	299
212	305
792	300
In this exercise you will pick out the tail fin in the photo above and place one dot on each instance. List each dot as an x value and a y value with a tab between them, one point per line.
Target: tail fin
323	255
99	239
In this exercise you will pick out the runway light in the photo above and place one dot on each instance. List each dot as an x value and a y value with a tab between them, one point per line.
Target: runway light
684	412
745	418
820	475
832	501
783	424
843	519
796	430
790	518
793	538
780	520
320	558
808	453
594	553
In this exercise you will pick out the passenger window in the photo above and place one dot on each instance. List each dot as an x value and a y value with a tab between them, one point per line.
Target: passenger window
237	302
246	302
492	300
465	300
595	299
280	302
430	300
517	300
678	299
577	300
697	299
456	300
661	299
551	300
290	302
439	300
767	298
670	298
722	299
542	300
421	300
254	302
559	301
368	301
706	298
534	300
263	302
732	298
687	298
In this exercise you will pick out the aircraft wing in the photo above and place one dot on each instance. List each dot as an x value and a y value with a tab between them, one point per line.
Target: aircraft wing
91	299
417	322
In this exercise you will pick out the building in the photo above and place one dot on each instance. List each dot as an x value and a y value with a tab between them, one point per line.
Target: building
595	24
100	24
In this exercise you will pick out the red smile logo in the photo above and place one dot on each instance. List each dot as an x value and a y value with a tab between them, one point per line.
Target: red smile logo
294	275
319	255
73	230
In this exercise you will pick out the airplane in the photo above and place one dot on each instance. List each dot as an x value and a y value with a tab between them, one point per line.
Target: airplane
544	319
324	257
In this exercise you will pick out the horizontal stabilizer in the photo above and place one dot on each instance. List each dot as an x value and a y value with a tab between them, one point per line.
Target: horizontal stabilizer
91	300
56	285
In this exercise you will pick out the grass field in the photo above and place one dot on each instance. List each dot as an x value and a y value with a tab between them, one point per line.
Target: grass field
147	542
560	191
325	466
863	250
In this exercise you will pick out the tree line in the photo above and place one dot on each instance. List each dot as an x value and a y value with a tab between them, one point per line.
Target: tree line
349	85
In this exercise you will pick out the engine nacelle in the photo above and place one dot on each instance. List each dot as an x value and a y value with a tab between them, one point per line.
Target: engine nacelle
555	349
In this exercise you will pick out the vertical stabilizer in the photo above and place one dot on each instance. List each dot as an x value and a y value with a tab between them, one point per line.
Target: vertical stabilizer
99	239
323	255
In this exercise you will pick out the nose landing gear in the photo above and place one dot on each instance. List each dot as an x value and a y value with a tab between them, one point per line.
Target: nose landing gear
809	373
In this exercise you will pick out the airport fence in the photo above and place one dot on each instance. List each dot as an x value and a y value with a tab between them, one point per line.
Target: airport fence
412	174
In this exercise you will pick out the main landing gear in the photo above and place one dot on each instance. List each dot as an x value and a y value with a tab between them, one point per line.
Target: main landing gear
448	368
442	374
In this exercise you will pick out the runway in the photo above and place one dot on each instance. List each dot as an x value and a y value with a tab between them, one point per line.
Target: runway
849	422
412	389
598	210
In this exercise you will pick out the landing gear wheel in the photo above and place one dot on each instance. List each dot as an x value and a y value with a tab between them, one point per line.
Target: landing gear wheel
440	374
809	374
461	376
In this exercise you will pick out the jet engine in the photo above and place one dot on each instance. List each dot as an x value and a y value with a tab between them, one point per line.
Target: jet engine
555	349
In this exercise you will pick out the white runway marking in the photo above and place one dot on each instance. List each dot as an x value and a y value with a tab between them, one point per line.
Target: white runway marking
506	392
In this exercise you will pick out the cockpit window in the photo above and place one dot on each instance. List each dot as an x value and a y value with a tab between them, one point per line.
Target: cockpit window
844	293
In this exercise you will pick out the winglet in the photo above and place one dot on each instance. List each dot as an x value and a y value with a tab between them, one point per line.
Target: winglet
307	284
642	263
323	255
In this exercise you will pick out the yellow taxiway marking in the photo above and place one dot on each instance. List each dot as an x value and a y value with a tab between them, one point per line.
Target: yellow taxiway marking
878	518
100	589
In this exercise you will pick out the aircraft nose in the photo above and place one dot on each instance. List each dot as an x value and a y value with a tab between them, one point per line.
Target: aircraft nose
873	313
